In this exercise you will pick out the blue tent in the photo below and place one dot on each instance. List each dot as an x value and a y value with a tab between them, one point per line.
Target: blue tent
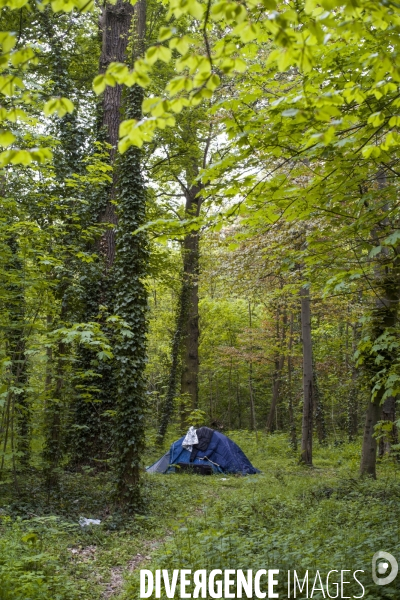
222	456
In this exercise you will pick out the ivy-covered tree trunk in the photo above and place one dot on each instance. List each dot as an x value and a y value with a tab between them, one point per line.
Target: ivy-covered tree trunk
131	302
307	424
91	437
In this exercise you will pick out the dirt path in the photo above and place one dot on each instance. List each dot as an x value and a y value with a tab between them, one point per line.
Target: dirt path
114	586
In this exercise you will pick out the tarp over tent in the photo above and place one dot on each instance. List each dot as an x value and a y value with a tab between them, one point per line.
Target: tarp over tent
222	455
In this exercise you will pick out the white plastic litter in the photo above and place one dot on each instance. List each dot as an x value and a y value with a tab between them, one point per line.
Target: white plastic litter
224	478
190	439
83	522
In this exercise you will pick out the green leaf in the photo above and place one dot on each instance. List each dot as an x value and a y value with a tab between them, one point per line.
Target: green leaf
61	106
99	84
6	138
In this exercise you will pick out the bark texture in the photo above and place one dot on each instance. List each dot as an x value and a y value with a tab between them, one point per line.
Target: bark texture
115	23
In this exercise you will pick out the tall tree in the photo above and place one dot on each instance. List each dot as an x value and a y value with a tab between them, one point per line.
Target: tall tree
131	298
91	437
307	423
187	152
190	284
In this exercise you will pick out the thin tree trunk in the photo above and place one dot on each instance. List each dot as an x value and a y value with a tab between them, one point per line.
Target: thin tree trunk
238	400
307	425
390	430
279	364
211	397
292	422
252	407
16	346
369	445
52	451
229	396
319	409
352	403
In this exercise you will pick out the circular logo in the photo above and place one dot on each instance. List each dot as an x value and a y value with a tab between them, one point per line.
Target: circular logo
380	566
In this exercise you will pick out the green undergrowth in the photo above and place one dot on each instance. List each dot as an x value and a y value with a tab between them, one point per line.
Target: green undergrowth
287	517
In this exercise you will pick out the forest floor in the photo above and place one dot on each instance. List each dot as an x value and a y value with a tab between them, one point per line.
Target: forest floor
287	517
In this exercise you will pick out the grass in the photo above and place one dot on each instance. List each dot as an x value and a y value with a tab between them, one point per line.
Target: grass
287	517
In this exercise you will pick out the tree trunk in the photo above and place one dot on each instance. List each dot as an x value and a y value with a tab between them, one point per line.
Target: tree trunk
238	399
186	337
352	403
230	396
15	337
319	410
115	23
369	445
251	394
384	319
90	440
307	425
390	434
181	319
279	363
131	304
292	422
52	451
191	334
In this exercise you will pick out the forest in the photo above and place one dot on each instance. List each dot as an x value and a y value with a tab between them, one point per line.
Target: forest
199	226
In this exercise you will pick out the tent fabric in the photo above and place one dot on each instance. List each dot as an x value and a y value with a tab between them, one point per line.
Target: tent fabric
204	435
161	466
222	454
